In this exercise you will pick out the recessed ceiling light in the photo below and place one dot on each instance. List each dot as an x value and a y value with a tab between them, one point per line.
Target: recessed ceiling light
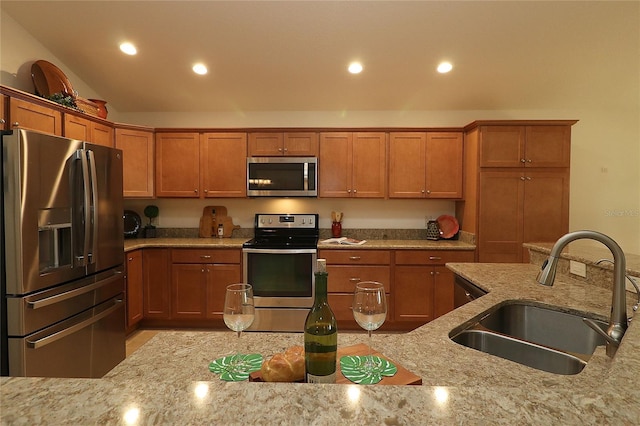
444	67
128	48
355	68
200	69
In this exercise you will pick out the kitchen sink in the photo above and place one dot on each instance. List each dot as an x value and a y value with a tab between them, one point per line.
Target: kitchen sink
520	351
537	336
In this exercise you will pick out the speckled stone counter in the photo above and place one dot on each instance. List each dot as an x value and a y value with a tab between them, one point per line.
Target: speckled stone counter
138	243
167	381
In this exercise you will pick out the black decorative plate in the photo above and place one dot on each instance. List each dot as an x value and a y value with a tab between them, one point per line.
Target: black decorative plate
132	223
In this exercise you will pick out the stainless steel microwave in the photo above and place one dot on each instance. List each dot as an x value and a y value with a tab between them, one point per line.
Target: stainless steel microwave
282	177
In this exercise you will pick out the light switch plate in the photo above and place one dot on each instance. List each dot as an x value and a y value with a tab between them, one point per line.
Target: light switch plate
578	268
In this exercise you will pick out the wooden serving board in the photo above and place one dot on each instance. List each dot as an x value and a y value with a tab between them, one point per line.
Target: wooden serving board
402	377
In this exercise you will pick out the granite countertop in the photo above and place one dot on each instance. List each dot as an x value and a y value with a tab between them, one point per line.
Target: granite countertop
133	244
167	381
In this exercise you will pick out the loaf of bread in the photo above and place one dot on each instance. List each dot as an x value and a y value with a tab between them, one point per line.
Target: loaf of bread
284	367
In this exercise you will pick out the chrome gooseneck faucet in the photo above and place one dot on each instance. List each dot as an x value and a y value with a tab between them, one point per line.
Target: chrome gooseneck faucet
618	319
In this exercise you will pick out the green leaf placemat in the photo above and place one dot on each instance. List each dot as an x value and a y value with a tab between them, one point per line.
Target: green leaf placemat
353	368
235	368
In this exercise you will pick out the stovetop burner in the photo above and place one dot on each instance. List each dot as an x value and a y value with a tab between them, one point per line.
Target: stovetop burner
274	231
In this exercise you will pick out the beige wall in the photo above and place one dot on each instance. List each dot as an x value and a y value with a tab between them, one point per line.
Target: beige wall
605	164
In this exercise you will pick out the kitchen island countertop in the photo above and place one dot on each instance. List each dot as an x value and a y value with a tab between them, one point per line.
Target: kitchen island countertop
167	381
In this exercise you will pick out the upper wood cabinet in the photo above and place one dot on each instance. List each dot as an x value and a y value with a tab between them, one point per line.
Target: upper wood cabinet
525	146
201	165
274	144
32	116
178	165
224	166
81	128
518	207
425	165
137	161
353	164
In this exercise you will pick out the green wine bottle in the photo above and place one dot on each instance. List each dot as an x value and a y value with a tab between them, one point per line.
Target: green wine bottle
320	334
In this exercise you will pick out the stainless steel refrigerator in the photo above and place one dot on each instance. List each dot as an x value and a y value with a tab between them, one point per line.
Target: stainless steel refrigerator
62	257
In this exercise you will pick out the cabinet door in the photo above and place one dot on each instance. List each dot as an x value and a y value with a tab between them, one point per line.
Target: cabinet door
101	134
369	178
443	285
444	165
500	216
502	146
135	277
189	290
334	168
265	144
413	293
35	117
137	162
546	206
220	276
301	144
407	164
548	146
178	165
224	164
157	283
77	127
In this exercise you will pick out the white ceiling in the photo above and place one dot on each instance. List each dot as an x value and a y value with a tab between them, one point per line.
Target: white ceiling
292	55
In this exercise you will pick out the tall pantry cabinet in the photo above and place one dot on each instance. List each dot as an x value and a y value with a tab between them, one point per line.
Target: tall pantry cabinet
516	185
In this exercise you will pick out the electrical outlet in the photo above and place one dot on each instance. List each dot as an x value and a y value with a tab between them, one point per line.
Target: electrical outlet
578	268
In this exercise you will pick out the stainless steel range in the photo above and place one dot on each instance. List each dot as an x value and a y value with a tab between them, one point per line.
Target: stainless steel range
279	263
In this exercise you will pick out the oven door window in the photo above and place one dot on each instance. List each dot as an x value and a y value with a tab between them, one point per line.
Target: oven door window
281	275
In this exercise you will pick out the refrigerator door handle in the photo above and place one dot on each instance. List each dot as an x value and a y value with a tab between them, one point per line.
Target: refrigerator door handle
46	301
93	207
86	208
67	331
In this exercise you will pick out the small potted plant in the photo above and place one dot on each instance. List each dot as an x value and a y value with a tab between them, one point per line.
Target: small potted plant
151	212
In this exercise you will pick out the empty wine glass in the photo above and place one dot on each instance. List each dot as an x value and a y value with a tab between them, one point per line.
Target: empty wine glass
239	311
369	311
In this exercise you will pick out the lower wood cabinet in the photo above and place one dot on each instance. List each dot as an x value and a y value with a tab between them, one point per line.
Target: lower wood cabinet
134	289
199	278
346	268
157	283
423	286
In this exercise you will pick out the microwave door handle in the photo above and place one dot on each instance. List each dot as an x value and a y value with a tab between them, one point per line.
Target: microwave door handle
305	169
93	207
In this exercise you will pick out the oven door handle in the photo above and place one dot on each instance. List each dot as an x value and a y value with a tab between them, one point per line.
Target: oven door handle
279	251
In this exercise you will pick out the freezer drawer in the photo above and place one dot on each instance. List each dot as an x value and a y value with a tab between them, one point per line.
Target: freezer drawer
88	345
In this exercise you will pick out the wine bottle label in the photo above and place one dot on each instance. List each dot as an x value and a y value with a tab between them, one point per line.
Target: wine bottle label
331	378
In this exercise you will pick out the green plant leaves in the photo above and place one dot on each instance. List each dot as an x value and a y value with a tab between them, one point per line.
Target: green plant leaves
356	369
235	368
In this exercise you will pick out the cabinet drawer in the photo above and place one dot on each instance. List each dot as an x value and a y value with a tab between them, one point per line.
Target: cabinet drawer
343	278
205	256
432	257
355	257
341	305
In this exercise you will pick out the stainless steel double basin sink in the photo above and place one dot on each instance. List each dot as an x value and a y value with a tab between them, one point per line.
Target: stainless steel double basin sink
540	337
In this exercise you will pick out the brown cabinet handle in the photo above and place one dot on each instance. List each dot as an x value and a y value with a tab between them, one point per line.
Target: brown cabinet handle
354	258
435	258
355	279
205	256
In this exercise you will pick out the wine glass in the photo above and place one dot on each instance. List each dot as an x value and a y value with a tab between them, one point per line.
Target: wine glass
239	311
369	311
